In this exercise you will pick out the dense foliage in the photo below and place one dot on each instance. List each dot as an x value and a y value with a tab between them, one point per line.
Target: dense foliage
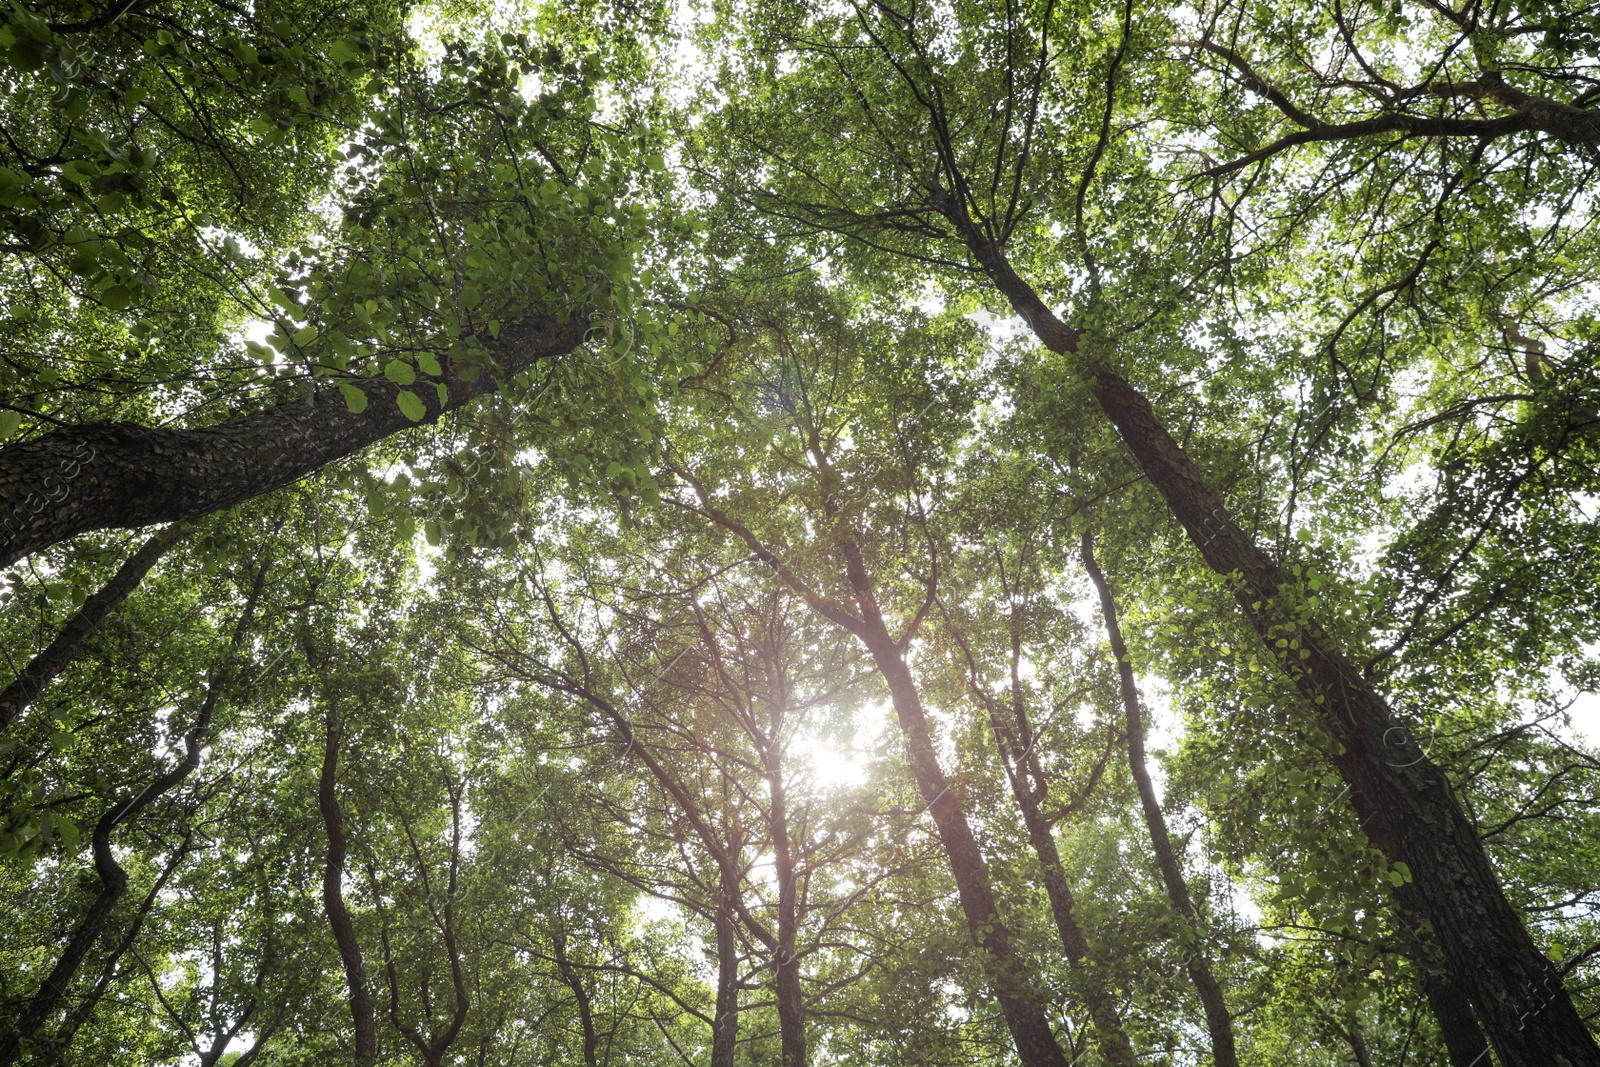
1051	532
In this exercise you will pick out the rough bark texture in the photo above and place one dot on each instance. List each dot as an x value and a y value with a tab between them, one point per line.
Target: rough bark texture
362	1014
1463	1039
1405	803
109	475
1219	1023
44	667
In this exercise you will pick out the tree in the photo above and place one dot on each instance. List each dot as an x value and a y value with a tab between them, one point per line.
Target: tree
624	586
969	189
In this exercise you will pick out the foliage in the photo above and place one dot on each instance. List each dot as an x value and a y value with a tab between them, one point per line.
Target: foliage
619	689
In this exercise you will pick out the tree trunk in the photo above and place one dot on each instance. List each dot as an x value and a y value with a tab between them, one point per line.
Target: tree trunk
725	1015
574	982
1405	803
1003	970
104	475
1114	1044
1036	1044
113	879
1218	1021
362	1015
39	672
786	965
1463	1039
1358	1045
1029	788
86	1004
113	885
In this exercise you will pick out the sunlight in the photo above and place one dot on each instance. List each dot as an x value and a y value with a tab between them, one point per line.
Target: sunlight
831	767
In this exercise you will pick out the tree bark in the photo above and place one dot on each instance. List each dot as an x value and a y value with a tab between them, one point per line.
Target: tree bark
1404	802
85	622
725	1015
1463	1038
1219	1022
1036	1044
106	475
580	992
362	1015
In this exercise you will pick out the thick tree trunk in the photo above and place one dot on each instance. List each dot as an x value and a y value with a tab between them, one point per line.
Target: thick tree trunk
26	687
1404	800
362	1016
1218	1021
1463	1039
109	475
1405	803
725	1015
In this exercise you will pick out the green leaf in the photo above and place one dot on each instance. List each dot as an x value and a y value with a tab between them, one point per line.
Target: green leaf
117	298
399	372
10	423
411	405
429	364
354	398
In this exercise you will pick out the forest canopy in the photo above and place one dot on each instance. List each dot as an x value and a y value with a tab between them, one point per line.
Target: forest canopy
877	532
